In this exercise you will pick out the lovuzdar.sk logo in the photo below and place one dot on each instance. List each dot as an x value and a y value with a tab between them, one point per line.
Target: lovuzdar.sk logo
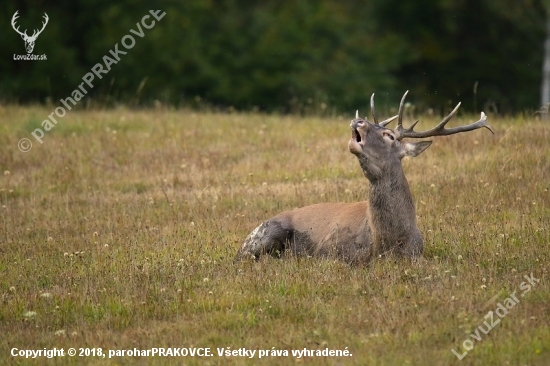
29	40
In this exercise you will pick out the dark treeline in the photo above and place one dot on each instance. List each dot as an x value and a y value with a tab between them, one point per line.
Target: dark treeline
282	55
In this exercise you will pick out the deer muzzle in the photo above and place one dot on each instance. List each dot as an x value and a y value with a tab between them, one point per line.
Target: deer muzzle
358	131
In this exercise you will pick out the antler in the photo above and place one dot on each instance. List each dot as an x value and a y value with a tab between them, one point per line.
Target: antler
43	26
384	122
35	33
438	130
13	19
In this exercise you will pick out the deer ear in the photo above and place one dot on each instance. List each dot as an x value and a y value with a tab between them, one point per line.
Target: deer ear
413	149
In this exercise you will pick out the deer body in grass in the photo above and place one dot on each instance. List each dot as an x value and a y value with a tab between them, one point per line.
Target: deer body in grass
357	232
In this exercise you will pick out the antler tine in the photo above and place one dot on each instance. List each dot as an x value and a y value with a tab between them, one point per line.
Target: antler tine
372	109
357	114
385	122
440	129
400	113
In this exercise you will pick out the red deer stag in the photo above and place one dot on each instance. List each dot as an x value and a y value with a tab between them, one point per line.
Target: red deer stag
356	232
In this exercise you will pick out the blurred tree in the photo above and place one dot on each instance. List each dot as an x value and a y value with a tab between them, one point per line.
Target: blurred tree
456	44
545	84
287	56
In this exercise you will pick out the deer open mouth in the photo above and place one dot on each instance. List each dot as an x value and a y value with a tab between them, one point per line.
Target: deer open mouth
358	132
356	135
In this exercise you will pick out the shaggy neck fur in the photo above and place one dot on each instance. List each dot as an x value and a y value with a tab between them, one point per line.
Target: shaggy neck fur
392	215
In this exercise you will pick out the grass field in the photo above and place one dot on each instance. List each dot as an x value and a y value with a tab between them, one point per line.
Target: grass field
119	232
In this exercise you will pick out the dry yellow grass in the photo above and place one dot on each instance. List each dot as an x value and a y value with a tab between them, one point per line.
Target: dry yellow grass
130	221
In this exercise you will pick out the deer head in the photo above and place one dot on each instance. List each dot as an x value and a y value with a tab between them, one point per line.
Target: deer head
29	40
379	148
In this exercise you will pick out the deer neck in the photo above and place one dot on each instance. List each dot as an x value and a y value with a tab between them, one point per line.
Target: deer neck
392	215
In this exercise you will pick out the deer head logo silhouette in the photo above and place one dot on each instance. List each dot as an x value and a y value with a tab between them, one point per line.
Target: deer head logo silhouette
29	40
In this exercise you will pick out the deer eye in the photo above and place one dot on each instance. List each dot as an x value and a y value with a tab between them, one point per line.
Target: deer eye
389	135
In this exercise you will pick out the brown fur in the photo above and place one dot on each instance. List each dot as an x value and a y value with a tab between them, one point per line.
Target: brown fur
353	232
